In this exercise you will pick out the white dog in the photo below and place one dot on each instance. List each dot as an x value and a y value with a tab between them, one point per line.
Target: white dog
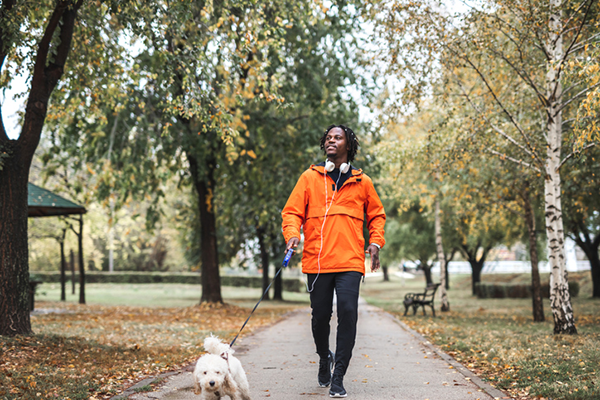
219	373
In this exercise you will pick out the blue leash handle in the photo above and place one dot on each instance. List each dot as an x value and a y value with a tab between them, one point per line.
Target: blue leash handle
287	258
284	264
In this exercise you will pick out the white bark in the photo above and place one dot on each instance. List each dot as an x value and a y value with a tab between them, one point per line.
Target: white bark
560	300
441	256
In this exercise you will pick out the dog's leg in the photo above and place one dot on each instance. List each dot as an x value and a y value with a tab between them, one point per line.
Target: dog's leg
231	388
244	394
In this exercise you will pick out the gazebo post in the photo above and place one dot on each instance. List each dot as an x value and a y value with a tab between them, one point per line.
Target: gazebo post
72	273
81	265
63	267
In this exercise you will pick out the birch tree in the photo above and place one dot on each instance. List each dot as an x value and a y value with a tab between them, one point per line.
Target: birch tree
533	42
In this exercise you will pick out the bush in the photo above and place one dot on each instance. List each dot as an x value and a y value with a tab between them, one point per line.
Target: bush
289	284
515	291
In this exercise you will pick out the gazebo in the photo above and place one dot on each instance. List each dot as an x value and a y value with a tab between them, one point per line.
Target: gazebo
44	203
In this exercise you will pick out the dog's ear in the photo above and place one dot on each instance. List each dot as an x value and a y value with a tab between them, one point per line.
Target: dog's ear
197	387
229	384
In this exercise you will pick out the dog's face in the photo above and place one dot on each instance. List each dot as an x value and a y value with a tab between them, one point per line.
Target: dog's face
212	375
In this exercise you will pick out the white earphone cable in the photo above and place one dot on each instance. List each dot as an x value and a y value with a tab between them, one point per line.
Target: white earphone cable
323	226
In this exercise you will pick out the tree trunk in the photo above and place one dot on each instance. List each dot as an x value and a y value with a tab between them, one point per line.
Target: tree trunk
595	266
476	265
447	275
590	248
14	175
14	263
386	275
211	280
441	256
278	287
427	272
560	299
447	260
536	289
264	259
278	290
476	268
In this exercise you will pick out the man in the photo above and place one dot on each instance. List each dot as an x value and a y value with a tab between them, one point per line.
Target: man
330	202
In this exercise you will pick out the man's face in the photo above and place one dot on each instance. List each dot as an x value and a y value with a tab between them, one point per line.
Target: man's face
336	145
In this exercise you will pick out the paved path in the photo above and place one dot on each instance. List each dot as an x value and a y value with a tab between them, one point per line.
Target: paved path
389	362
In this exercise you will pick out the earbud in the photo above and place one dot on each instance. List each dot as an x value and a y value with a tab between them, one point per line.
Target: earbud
329	166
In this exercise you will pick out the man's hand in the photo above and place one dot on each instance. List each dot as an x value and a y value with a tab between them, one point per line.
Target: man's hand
292	244
374	252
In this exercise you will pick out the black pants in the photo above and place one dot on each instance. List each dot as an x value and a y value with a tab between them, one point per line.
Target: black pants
346	285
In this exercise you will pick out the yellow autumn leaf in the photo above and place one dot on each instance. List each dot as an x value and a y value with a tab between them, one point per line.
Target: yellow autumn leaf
251	153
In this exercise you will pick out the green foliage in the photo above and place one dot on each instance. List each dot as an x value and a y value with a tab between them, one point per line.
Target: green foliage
416	234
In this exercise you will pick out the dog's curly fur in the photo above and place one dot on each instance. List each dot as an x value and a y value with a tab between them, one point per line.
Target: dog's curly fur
219	373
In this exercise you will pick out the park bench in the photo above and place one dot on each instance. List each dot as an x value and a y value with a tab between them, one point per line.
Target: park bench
416	300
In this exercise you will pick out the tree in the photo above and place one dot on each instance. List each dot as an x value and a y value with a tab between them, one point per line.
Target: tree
418	238
526	39
263	165
177	104
49	57
582	209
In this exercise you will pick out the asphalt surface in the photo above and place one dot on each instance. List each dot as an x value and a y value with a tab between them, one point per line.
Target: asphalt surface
390	361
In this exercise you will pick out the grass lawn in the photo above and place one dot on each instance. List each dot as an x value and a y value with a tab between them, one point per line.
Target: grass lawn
155	295
125	333
497	339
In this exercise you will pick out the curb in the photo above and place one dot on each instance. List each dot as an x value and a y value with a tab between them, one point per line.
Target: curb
497	394
147	381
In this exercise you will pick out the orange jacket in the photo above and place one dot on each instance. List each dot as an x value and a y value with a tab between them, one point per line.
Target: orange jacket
343	241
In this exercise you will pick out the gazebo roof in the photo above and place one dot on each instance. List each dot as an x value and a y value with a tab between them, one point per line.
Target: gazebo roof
44	203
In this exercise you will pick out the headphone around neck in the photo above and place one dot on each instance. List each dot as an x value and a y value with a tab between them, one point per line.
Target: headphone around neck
330	166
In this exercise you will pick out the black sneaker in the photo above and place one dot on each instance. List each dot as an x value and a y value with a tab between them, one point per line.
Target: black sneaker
337	388
325	367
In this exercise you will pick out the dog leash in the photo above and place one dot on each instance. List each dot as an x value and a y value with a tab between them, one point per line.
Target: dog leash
284	264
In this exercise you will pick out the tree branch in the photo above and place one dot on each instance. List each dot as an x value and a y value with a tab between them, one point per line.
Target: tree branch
7	6
568	52
525	79
541	41
511	26
495	128
578	95
44	46
568	21
530	150
573	153
516	161
583	43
